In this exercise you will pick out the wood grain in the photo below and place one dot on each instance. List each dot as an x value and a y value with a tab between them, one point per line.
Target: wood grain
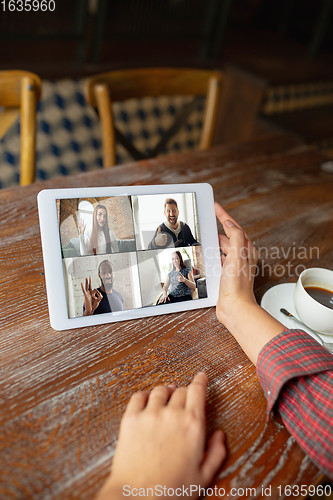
63	393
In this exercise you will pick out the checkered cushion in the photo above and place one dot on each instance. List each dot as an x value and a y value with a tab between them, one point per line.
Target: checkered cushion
69	134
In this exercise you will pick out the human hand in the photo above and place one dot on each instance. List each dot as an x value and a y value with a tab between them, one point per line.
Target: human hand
82	226
239	261
92	297
181	278
236	307
162	441
160	238
164	298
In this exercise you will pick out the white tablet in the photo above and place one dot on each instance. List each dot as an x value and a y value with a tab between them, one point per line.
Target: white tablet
119	253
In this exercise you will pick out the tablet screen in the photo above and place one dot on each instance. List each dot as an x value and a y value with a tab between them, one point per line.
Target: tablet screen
128	252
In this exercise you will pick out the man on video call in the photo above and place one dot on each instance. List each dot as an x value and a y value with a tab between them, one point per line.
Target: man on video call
172	233
103	299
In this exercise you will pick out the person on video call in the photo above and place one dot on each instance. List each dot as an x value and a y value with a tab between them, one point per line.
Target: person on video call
104	299
179	280
173	232
166	428
101	239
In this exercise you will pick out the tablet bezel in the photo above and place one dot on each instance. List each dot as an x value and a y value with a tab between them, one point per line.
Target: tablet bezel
52	256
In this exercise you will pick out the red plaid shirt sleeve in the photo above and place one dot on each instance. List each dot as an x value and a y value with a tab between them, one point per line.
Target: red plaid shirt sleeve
296	374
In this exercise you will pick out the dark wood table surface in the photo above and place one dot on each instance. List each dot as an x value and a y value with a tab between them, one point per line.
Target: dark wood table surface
62	394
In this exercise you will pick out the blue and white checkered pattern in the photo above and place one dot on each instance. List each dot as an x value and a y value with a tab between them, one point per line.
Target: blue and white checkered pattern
69	136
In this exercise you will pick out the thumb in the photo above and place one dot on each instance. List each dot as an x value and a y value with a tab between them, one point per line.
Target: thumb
214	456
159	229
229	223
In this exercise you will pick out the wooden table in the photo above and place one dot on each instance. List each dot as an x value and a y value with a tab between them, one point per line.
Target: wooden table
63	393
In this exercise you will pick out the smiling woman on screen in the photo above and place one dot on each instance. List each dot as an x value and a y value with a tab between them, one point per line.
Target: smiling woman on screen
179	280
101	239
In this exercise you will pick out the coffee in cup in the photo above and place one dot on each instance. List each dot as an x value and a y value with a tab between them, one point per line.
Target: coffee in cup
313	298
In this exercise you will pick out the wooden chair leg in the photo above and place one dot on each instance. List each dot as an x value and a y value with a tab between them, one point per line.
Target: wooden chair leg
210	114
108	134
28	131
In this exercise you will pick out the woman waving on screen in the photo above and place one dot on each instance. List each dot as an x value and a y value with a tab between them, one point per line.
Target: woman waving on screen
101	239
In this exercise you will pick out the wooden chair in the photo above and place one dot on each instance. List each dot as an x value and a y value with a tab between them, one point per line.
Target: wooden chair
20	92
104	89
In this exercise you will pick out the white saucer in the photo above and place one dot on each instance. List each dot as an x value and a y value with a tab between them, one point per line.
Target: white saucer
282	297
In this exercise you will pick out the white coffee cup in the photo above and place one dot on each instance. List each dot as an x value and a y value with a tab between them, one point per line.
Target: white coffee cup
311	312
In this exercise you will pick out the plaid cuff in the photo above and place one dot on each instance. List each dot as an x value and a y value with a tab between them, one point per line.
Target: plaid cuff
291	354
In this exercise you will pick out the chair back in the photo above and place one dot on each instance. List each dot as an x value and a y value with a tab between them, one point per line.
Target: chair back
19	93
104	89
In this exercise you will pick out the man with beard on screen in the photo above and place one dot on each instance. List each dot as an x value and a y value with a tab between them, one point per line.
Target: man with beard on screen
173	232
103	299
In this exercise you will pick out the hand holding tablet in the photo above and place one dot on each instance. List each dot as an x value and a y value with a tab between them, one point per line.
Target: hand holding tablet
118	253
